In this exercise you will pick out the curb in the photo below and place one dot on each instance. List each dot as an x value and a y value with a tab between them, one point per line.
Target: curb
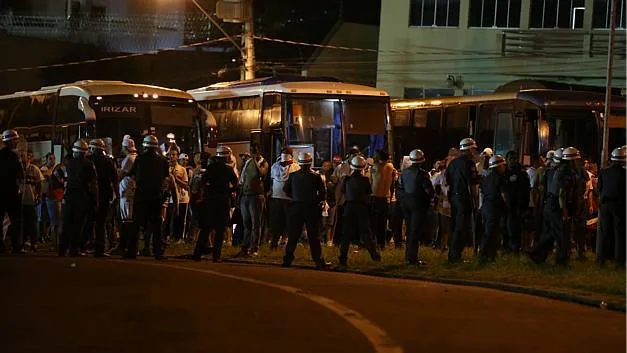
555	295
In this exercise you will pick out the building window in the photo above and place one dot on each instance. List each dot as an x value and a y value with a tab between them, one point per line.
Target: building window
494	13
557	13
434	13
601	14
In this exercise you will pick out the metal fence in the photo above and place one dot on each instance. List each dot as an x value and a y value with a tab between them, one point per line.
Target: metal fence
113	33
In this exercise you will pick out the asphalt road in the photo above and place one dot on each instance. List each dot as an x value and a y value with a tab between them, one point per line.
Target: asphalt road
179	306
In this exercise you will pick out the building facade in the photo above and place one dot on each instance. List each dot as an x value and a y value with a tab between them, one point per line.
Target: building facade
430	48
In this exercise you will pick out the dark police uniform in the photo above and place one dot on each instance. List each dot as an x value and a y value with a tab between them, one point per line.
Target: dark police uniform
81	196
107	179
461	174
415	193
357	190
218	182
150	171
518	193
559	181
493	209
307	191
10	198
612	218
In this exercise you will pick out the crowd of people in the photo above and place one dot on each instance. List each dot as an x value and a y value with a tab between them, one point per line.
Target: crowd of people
91	202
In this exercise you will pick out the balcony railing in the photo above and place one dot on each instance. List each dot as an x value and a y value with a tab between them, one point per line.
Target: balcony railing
557	43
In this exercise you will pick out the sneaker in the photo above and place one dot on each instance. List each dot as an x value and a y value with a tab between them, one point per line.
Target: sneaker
255	254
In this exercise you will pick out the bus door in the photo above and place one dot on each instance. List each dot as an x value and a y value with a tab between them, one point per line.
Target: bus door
273	139
455	128
506	132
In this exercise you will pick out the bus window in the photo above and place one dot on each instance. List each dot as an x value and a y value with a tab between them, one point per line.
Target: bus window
486	123
617	129
504	134
455	126
574	127
317	122
271	110
400	118
366	119
236	117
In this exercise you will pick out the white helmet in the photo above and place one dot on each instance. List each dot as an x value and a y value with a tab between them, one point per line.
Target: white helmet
496	161
97	144
550	154
223	151
10	135
488	152
467	144
570	154
619	154
170	137
304	158
183	157
557	156
150	141
416	156
80	146
358	163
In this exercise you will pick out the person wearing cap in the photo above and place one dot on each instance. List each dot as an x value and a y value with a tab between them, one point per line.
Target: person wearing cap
382	175
483	163
178	204
279	200
307	194
612	210
81	196
415	194
357	191
11	178
252	203
150	172
218	183
461	176
494	203
107	192
559	184
518	194
126	191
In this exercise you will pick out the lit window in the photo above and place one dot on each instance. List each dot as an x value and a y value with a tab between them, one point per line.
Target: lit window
434	13
494	13
557	13
601	14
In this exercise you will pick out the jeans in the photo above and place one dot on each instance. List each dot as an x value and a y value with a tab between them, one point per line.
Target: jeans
252	209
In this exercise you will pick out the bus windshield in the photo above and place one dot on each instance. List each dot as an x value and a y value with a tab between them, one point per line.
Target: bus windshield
318	121
574	127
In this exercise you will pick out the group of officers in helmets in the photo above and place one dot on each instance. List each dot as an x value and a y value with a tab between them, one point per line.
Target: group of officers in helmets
91	180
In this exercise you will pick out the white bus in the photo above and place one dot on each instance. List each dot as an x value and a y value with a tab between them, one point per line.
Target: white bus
53	117
319	115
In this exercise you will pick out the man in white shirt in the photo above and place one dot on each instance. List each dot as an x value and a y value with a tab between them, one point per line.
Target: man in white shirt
178	210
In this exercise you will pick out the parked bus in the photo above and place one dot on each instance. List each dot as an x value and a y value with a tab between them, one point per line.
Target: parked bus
52	118
319	115
529	121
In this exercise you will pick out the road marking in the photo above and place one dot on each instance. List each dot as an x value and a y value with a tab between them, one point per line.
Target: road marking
378	338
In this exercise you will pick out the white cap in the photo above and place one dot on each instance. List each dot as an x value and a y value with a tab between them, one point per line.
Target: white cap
285	157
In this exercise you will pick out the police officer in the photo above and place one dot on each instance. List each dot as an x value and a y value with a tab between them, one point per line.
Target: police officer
107	191
126	192
415	193
150	171
461	176
81	195
493	206
218	183
339	173
612	211
356	189
559	184
518	194
11	178
307	191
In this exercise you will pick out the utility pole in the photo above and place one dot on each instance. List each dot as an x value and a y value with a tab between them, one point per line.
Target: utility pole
608	87
248	42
